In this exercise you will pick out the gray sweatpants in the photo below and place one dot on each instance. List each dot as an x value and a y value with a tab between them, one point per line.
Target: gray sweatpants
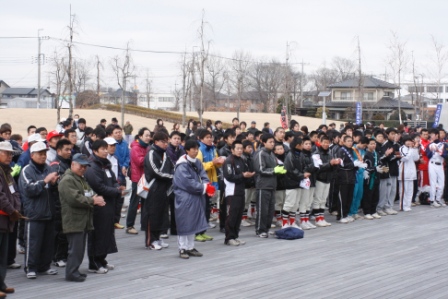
76	251
388	190
39	245
265	210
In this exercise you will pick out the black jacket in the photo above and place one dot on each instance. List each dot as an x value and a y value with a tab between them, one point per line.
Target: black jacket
294	172
385	160
225	151
34	193
233	169
346	170
371	159
264	164
248	160
325	172
308	166
59	165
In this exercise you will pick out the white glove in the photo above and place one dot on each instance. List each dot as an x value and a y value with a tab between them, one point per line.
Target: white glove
379	169
366	175
357	163
341	162
363	165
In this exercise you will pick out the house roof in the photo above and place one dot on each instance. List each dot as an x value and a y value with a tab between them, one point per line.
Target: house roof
369	82
3	83
23	91
384	103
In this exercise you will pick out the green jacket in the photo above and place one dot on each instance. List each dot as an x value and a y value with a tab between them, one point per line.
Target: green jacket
77	209
128	129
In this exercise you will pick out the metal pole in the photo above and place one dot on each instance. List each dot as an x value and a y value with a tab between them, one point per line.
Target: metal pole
38	67
324	115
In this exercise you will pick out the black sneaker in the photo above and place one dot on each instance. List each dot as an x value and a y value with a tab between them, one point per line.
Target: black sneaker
183	254
194	252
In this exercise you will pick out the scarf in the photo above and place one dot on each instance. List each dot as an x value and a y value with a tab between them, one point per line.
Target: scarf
142	143
173	153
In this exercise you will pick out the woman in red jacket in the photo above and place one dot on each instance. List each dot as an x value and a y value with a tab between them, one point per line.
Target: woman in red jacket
139	147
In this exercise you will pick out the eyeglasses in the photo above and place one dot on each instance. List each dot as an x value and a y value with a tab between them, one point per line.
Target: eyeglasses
7	153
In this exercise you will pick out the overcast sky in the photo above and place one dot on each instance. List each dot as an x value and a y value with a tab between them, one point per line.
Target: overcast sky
317	31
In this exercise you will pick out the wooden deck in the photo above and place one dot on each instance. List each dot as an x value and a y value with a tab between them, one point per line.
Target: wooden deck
400	256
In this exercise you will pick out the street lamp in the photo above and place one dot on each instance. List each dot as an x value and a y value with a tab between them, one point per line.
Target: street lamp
324	95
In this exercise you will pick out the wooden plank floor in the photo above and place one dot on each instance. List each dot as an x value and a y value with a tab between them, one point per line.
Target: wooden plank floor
400	256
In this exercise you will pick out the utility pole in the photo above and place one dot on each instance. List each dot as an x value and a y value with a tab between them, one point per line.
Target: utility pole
38	67
98	64
184	95
301	83
360	79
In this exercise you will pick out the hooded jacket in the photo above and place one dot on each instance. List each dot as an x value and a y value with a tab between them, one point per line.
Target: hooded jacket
264	164
138	153
9	201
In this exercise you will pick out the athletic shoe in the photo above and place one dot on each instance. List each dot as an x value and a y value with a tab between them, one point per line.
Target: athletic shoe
211	225
325	221
21	249
118	226
14	266
233	242
139	211
155	246
442	203
381	213
123	215
200	238
194	252
76	279
435	204
407	210
50	272
320	223
245	223
60	263
131	230
413	204
368	217
391	211
310	225
101	270
241	241
304	226
123	210
286	225
31	275
263	235
357	216
334	213
376	216
350	219
273	225
343	221
164	236
183	254
162	244
110	267
207	237
295	226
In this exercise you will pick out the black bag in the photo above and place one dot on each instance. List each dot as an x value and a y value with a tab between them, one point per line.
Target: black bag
424	198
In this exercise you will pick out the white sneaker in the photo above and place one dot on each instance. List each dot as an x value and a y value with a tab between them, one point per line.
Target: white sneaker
233	242
155	246
304	226
442	203
334	213
162	244
343	221
435	204
60	263
376	216
211	225
381	213
320	223
110	267
286	225
368	217
350	219
245	223
407	210
242	242
310	225
31	275
101	270
326	223
357	216
391	211
295	226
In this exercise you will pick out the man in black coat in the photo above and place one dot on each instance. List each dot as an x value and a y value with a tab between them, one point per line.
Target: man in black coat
103	182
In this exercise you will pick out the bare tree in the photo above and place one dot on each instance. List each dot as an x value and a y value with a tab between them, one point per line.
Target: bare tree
59	80
440	59
148	89
323	77
201	64
81	75
345	68
99	66
71	29
124	69
215	79
398	60
240	67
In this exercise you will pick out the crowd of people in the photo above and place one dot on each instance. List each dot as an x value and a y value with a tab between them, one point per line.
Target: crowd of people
63	190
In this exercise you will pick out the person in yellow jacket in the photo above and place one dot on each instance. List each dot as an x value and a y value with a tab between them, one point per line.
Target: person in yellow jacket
211	162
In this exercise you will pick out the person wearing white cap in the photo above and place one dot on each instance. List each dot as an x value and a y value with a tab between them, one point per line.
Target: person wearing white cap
34	182
9	210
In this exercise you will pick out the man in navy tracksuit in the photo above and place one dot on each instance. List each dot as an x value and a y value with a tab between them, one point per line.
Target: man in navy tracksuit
235	172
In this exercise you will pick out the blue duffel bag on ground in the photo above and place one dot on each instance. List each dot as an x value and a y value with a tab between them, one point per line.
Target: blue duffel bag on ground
290	233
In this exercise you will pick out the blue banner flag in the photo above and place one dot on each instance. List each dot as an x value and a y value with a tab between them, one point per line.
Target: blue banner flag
358	113
437	115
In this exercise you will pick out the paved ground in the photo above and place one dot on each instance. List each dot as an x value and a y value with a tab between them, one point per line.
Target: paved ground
399	256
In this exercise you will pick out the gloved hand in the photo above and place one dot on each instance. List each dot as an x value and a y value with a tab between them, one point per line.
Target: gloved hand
16	170
366	175
358	163
363	165
210	190
385	169
379	169
279	169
